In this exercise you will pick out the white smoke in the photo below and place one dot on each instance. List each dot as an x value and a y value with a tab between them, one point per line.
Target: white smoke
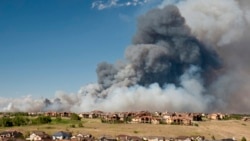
219	22
26	103
189	96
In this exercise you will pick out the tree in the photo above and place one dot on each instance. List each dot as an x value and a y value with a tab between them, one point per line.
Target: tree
20	120
6	122
43	119
74	116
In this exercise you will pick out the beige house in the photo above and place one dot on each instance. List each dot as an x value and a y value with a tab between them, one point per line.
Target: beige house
216	116
38	136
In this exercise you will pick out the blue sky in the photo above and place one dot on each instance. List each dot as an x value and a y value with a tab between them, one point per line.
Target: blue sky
51	45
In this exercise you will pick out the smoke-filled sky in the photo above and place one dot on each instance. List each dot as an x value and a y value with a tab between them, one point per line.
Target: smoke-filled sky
113	55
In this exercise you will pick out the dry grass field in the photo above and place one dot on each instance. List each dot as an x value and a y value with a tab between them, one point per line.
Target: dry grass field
218	129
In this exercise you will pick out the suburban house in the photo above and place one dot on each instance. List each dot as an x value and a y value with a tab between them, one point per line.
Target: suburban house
167	118
62	135
134	138
191	138
107	138
195	116
216	116
154	138
84	115
10	135
155	118
246	118
51	114
82	137
122	137
142	117
39	136
181	120
96	114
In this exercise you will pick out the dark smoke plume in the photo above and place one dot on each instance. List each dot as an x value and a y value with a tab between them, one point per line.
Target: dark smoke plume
163	50
166	28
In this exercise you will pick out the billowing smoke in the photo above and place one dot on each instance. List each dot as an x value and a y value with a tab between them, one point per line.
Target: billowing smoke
224	25
189	57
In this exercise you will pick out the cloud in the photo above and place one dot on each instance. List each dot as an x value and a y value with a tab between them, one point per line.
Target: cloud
105	4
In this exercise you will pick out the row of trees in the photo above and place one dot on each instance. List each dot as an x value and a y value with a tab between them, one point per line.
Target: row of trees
22	120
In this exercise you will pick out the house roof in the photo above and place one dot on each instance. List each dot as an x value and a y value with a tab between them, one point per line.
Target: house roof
62	133
42	134
12	132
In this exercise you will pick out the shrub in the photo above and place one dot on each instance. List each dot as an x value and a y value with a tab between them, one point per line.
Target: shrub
244	124
213	138
80	124
43	119
136	132
58	119
20	120
72	126
243	139
6	122
74	116
196	124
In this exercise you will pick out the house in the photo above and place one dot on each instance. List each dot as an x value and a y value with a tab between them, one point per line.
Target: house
167	118
122	137
154	138
82	137
143	113
106	138
156	120
96	114
213	116
183	138
122	116
142	117
61	135
181	121
197	138
216	116
195	116
84	115
65	114
10	135
192	138
134	138
146	119
246	118
112	118
135	119
51	114
39	136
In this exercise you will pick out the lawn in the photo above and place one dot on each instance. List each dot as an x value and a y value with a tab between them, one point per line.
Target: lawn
218	129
